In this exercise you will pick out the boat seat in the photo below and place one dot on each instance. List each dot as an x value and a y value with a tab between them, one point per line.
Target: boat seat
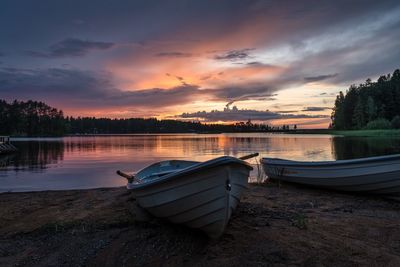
165	172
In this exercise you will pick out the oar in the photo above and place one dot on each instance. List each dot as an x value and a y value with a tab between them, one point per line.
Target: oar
249	156
130	178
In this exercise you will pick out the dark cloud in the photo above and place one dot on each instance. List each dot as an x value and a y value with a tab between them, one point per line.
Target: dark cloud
71	47
96	89
229	104
204	78
316	108
260	64
53	83
234	55
235	114
173	54
179	78
157	97
353	60
244	92
319	77
322	95
288	111
1	54
85	89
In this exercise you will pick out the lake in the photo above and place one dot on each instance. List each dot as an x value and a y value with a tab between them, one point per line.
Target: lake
91	161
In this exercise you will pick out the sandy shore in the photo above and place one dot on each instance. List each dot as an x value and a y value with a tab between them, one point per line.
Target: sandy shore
273	226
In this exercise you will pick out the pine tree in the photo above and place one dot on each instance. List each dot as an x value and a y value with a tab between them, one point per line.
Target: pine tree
338	112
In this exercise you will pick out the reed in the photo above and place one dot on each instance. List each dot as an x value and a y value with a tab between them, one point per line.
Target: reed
261	176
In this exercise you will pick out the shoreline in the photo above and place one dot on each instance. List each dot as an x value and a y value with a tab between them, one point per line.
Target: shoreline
343	133
273	225
352	133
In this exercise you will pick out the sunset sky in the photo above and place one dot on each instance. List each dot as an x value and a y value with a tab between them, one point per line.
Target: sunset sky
277	62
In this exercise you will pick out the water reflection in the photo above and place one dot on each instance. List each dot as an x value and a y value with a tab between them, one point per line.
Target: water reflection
358	147
87	162
33	155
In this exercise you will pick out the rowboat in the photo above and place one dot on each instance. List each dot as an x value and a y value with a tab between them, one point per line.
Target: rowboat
6	146
378	175
199	195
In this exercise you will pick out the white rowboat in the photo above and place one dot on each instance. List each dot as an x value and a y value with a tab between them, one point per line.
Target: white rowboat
378	175
199	195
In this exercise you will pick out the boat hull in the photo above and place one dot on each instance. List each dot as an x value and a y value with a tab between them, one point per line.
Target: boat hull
203	198
378	175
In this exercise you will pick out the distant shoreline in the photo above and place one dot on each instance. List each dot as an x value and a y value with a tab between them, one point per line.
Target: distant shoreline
346	133
148	133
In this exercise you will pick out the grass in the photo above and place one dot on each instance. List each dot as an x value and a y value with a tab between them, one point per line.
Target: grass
300	221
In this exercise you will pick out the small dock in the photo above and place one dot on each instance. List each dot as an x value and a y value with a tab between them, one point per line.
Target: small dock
6	146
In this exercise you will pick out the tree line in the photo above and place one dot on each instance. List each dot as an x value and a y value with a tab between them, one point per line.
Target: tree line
371	105
32	118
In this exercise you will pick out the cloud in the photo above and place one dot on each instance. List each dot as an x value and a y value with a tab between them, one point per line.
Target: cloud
234	55
316	108
310	42
174	54
245	92
235	114
85	89
204	78
179	78
260	64
1	54
88	89
288	111
71	47
319	77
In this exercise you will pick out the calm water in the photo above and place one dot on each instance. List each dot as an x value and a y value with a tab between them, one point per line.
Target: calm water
90	162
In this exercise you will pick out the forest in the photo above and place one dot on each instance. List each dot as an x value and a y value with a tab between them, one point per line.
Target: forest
371	105
32	118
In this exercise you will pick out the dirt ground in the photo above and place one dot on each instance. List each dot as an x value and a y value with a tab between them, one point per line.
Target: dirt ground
274	225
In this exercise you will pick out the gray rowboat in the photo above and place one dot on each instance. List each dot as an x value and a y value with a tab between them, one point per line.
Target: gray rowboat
199	195
378	175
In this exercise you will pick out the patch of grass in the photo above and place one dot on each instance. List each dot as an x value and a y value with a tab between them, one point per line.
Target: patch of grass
300	221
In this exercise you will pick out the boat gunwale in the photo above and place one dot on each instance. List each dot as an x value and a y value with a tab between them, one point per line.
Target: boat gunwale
346	177
332	167
202	166
285	162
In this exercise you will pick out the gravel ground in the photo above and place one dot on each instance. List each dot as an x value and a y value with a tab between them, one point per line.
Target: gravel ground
274	225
